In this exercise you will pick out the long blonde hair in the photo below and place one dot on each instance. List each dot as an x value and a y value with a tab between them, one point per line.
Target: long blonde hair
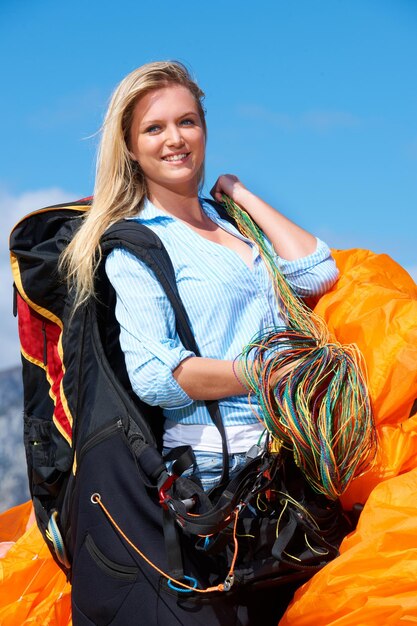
120	185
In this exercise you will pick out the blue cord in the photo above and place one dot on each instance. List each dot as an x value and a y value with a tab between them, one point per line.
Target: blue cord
181	589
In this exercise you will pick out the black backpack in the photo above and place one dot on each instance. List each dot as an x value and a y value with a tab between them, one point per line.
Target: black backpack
99	483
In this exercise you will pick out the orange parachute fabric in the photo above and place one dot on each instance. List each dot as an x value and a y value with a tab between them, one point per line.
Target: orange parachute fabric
33	590
374	580
374	304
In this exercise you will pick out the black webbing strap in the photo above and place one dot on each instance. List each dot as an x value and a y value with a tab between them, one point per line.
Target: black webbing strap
217	517
183	457
172	546
286	534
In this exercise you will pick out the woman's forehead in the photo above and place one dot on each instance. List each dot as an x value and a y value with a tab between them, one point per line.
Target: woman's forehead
171	99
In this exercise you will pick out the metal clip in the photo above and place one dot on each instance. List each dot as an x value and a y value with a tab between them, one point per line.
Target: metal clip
253	452
228	582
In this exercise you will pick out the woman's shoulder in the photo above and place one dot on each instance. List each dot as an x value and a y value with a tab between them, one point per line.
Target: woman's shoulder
147	212
215	210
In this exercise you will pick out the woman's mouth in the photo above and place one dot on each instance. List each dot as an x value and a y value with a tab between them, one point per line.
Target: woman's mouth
180	157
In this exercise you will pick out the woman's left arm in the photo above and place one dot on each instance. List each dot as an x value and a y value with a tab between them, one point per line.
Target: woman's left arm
289	240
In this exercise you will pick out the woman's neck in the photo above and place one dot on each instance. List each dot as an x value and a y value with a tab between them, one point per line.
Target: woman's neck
184	206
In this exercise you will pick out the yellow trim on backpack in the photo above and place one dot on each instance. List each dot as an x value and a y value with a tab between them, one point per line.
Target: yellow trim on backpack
40	364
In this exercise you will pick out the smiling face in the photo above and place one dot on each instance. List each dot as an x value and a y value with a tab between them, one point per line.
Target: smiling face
167	140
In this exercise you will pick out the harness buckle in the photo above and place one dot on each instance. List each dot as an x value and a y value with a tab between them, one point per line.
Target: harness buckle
164	497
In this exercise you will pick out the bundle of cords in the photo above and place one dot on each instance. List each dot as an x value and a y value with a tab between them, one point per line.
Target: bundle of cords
319	407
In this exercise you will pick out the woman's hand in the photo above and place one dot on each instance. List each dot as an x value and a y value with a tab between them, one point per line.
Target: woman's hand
230	185
289	240
282	372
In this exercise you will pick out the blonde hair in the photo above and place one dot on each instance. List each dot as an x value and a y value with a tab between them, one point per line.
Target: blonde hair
120	185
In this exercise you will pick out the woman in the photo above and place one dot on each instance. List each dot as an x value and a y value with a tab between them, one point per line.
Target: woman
150	168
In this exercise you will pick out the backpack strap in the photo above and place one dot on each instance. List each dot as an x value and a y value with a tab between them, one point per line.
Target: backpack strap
147	246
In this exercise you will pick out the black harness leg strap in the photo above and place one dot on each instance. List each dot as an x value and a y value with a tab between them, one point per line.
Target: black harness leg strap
172	546
214	410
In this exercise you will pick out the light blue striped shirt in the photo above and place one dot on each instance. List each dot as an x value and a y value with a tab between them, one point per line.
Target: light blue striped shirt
226	301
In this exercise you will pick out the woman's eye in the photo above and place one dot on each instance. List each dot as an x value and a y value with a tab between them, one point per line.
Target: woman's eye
152	129
187	122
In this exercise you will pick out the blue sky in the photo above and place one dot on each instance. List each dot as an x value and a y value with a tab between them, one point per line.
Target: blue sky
313	103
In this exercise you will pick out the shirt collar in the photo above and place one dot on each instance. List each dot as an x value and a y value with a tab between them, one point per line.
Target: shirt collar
150	213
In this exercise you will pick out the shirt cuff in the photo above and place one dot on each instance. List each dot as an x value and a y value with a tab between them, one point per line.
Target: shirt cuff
176	397
155	384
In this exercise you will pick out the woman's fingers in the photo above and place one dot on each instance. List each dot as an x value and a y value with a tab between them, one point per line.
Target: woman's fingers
216	192
283	371
225	184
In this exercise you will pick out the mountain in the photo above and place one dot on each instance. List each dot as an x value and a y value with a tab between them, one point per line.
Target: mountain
14	483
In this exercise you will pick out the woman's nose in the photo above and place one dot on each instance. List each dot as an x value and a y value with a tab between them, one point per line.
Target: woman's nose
174	136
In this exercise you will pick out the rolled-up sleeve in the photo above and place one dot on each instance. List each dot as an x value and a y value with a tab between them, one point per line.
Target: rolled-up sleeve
313	274
148	336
